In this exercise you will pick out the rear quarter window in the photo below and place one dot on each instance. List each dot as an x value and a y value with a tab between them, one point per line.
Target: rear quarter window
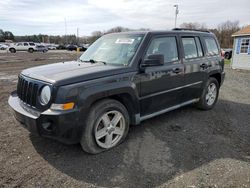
212	47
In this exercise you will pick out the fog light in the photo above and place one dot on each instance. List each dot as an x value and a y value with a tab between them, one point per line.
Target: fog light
47	126
66	106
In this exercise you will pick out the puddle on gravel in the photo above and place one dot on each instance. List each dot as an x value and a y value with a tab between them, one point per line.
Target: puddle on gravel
8	77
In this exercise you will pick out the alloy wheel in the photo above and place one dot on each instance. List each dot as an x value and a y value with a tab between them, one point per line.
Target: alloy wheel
110	129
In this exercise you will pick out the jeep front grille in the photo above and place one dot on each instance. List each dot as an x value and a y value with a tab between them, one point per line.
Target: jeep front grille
27	91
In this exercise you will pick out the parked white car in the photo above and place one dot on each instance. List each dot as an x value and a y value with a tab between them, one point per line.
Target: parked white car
51	47
3	46
23	46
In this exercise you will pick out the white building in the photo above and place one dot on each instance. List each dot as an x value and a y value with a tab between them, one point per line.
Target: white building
241	49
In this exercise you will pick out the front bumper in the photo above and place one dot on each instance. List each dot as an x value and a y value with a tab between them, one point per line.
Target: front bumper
63	126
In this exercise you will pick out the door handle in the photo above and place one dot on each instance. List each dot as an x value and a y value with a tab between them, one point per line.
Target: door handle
177	70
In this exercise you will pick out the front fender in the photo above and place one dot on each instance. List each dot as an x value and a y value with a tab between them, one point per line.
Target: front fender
89	95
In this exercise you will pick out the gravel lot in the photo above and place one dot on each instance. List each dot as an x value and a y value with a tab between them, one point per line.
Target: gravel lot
184	148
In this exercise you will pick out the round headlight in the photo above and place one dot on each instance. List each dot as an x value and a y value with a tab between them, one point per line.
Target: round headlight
45	95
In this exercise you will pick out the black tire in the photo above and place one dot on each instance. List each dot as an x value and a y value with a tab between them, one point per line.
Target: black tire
227	55
31	50
12	50
203	103
88	141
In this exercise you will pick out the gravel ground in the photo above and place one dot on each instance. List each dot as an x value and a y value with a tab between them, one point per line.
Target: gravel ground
184	148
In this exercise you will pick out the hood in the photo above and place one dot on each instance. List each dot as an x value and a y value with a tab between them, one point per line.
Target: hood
72	72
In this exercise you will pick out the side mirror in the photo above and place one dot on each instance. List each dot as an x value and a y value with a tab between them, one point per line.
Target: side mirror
153	60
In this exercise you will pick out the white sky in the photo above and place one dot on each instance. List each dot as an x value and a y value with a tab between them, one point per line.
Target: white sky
26	17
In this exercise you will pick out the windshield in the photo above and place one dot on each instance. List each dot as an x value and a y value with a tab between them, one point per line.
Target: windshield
113	49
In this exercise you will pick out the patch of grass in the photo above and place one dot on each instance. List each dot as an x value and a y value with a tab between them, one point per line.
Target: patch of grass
226	61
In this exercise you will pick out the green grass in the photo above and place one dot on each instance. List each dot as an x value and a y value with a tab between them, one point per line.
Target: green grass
226	61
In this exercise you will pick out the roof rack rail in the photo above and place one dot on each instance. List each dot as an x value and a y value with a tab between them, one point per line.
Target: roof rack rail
186	29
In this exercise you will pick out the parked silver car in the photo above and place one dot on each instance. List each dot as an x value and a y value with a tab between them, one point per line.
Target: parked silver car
3	46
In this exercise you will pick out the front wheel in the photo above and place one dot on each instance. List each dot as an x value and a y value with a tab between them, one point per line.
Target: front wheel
12	50
106	126
209	95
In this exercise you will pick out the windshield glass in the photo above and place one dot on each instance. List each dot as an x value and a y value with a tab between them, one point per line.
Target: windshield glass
113	49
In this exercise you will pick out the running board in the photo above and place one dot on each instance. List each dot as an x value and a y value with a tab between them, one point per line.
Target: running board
168	109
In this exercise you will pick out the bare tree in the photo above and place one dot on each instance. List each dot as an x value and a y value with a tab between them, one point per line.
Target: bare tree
193	25
225	31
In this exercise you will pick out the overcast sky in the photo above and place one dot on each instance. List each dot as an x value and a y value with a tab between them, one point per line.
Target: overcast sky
25	17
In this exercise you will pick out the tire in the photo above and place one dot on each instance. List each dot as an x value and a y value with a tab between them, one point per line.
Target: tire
12	50
98	129
31	50
205	103
227	55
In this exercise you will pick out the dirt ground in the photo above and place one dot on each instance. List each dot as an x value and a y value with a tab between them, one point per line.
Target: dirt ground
184	148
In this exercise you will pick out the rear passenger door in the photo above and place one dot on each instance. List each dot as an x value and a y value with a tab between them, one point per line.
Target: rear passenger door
161	86
25	46
195	65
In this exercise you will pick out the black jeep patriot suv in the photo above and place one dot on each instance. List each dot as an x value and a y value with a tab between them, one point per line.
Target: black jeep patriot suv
122	79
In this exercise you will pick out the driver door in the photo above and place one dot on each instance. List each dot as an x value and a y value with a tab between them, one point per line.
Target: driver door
161	86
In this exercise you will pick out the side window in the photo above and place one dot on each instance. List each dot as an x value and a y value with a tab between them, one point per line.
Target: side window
25	44
212	47
32	44
166	46
19	44
199	48
190	49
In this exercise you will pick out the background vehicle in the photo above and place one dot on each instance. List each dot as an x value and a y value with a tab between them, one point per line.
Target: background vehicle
51	47
71	47
41	48
3	46
227	53
61	47
121	79
23	46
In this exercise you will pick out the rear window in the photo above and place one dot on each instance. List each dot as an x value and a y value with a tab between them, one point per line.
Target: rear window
212	48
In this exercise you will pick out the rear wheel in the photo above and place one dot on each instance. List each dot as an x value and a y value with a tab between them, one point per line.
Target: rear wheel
227	55
106	126
210	94
31	50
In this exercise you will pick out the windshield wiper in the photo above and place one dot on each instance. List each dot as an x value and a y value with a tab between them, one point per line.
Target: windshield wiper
93	61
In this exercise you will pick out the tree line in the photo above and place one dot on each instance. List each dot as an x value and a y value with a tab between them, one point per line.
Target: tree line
223	32
6	35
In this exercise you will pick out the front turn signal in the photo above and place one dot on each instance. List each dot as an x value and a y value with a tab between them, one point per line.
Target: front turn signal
66	106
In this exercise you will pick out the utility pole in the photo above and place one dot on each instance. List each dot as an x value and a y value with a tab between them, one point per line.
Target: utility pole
176	13
65	30
77	36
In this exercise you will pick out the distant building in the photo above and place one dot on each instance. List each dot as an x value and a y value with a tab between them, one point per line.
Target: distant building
241	49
